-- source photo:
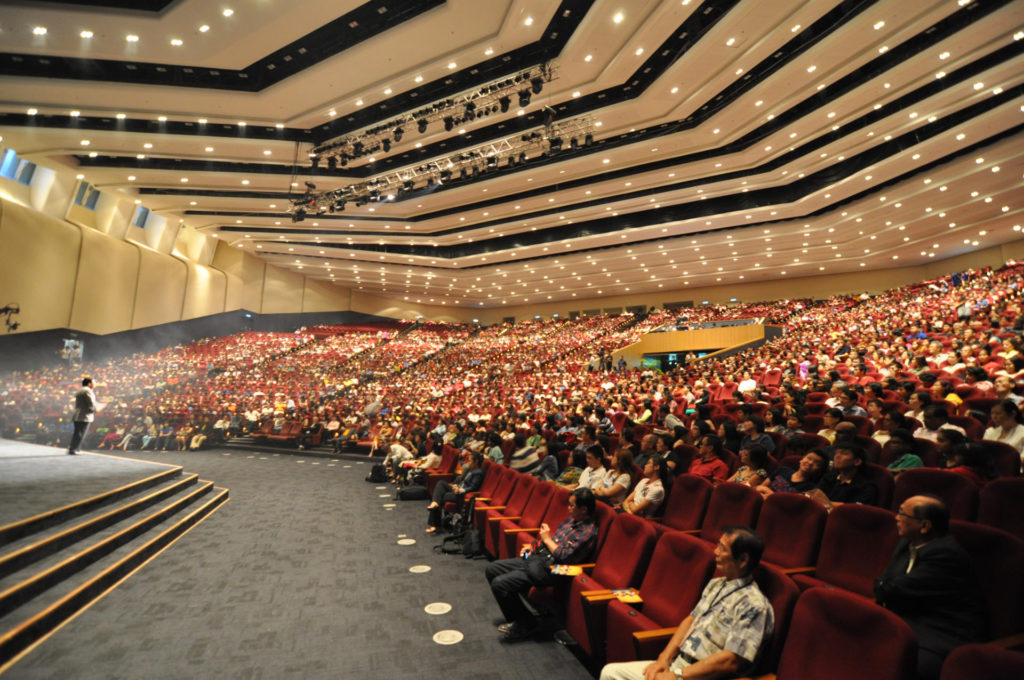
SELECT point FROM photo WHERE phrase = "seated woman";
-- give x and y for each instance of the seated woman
(753, 460)
(1006, 425)
(969, 460)
(710, 465)
(806, 477)
(112, 438)
(891, 421)
(832, 417)
(182, 436)
(616, 483)
(649, 493)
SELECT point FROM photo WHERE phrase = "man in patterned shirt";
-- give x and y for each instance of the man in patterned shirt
(725, 632)
(572, 543)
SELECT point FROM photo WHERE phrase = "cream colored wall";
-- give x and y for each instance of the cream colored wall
(38, 266)
(158, 289)
(104, 297)
(204, 291)
(401, 309)
(322, 296)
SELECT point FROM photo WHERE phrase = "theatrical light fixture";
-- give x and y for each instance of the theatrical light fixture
(484, 100)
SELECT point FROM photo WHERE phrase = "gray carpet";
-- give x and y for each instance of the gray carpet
(298, 576)
(34, 479)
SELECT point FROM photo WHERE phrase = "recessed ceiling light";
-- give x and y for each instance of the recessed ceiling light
(451, 65)
(93, 154)
(878, 25)
(184, 179)
(79, 176)
(209, 148)
(528, 21)
(120, 116)
(86, 34)
(359, 102)
(387, 91)
(84, 142)
(204, 28)
(228, 11)
(588, 57)
(639, 51)
(266, 152)
(39, 30)
(489, 51)
(177, 42)
(75, 114)
(730, 42)
(131, 37)
(162, 119)
(418, 79)
(202, 121)
(131, 178)
(812, 69)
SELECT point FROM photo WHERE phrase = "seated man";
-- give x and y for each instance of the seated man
(931, 584)
(573, 542)
(448, 492)
(727, 630)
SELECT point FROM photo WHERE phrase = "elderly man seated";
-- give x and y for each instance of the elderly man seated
(727, 630)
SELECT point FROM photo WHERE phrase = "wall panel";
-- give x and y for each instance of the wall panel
(108, 271)
(322, 296)
(204, 291)
(159, 291)
(282, 292)
(38, 266)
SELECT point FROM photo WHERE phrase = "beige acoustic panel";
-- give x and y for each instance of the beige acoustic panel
(108, 272)
(204, 292)
(282, 292)
(321, 296)
(684, 341)
(160, 289)
(38, 266)
(244, 277)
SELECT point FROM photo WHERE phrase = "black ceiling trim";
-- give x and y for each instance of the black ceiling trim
(567, 17)
(141, 6)
(171, 127)
(963, 74)
(713, 206)
(363, 23)
(959, 20)
(699, 22)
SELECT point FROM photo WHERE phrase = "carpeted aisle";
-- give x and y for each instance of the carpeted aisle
(298, 576)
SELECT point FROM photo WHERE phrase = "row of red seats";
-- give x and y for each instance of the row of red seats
(670, 566)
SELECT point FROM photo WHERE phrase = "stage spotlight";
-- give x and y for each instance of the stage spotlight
(522, 158)
(537, 84)
(357, 149)
(449, 123)
(332, 163)
(408, 185)
(344, 161)
(574, 143)
(588, 140)
(298, 215)
(446, 175)
(310, 186)
(387, 144)
(556, 144)
(398, 134)
(421, 125)
(315, 162)
(524, 98)
(492, 162)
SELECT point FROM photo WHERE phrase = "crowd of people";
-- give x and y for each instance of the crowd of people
(924, 375)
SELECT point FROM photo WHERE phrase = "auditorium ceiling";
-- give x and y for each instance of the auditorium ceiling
(481, 153)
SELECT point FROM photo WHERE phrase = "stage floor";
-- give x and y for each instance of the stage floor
(35, 479)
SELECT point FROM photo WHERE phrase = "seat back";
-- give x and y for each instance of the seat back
(520, 495)
(504, 487)
(538, 505)
(998, 559)
(680, 567)
(857, 544)
(974, 661)
(883, 481)
(1006, 459)
(782, 593)
(791, 525)
(730, 504)
(830, 633)
(958, 492)
(1002, 505)
(625, 552)
(493, 474)
(687, 502)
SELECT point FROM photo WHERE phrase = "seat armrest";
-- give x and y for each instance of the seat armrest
(598, 597)
(501, 517)
(799, 570)
(529, 530)
(654, 634)
(1010, 641)
(600, 591)
(692, 532)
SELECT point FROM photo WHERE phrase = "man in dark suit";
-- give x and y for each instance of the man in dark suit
(930, 583)
(85, 409)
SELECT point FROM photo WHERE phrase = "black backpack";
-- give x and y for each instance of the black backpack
(378, 475)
